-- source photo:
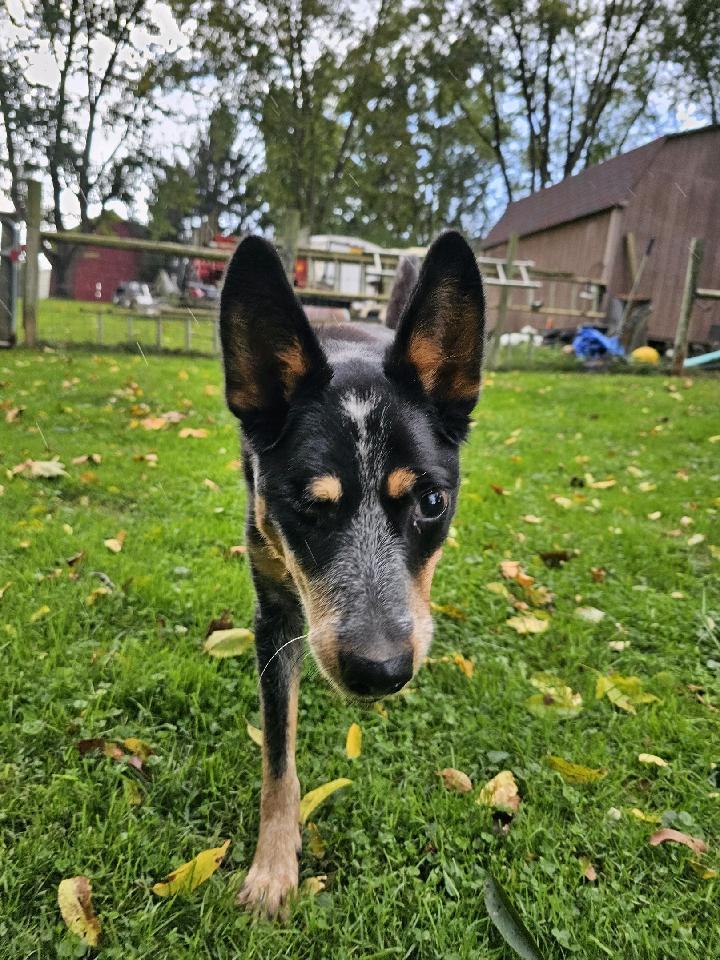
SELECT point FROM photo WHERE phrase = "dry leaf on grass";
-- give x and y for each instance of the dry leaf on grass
(455, 780)
(353, 742)
(675, 836)
(115, 544)
(316, 844)
(190, 875)
(5, 588)
(575, 773)
(312, 800)
(313, 885)
(588, 870)
(623, 692)
(554, 699)
(76, 909)
(464, 665)
(705, 873)
(590, 614)
(651, 758)
(254, 733)
(448, 610)
(500, 793)
(192, 433)
(528, 623)
(229, 643)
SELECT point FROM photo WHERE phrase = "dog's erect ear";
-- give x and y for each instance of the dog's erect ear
(438, 346)
(270, 353)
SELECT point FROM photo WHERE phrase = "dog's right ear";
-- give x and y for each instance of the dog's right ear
(270, 353)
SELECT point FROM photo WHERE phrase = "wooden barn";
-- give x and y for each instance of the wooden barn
(598, 224)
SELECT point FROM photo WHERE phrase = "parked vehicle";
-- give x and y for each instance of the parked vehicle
(134, 295)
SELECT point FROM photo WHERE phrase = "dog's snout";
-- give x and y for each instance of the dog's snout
(374, 678)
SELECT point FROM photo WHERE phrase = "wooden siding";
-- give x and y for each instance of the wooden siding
(677, 198)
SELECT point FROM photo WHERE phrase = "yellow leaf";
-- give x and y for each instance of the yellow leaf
(192, 433)
(501, 793)
(575, 773)
(531, 518)
(499, 588)
(623, 692)
(138, 748)
(353, 743)
(313, 885)
(645, 817)
(651, 758)
(449, 610)
(601, 484)
(312, 800)
(75, 902)
(465, 665)
(4, 588)
(39, 613)
(229, 643)
(254, 734)
(191, 874)
(554, 699)
(528, 623)
(97, 592)
(183, 375)
(115, 544)
(316, 843)
(455, 780)
(695, 539)
(705, 873)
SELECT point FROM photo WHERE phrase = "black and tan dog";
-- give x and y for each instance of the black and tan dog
(350, 438)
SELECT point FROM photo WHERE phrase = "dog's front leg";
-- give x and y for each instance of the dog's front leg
(273, 875)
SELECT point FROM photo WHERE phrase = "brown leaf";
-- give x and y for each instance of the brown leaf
(75, 558)
(192, 433)
(501, 793)
(465, 665)
(153, 423)
(115, 544)
(675, 836)
(588, 870)
(598, 574)
(12, 414)
(223, 622)
(237, 549)
(455, 780)
(75, 902)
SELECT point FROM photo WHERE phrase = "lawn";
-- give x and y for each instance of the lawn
(110, 646)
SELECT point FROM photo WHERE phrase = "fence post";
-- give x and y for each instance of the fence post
(688, 298)
(32, 264)
(188, 333)
(502, 303)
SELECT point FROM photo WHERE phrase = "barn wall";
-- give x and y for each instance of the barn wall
(677, 198)
(577, 247)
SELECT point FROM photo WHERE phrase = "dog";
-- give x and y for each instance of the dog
(350, 437)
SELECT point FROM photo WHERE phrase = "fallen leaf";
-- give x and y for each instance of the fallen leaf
(223, 622)
(75, 558)
(46, 468)
(138, 748)
(173, 416)
(554, 699)
(195, 434)
(556, 558)
(507, 920)
(97, 592)
(41, 612)
(313, 885)
(623, 692)
(254, 733)
(651, 758)
(590, 614)
(229, 643)
(455, 780)
(4, 588)
(115, 544)
(575, 773)
(655, 515)
(500, 491)
(498, 588)
(211, 485)
(500, 793)
(237, 549)
(12, 414)
(563, 502)
(527, 623)
(95, 458)
(705, 873)
(316, 844)
(531, 518)
(465, 665)
(598, 574)
(695, 539)
(353, 742)
(675, 836)
(75, 902)
(210, 390)
(600, 484)
(449, 610)
(588, 870)
(644, 816)
(619, 645)
(312, 800)
(153, 423)
(191, 874)
(647, 487)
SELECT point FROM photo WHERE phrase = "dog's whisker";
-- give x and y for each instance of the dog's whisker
(279, 650)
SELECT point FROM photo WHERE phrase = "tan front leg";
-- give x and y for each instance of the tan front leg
(273, 876)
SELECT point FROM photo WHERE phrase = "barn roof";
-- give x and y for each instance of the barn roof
(598, 188)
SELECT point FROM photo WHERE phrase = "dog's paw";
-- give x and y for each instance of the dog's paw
(269, 888)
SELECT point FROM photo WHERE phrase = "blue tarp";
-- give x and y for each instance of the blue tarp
(590, 343)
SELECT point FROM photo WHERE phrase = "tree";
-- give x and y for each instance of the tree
(553, 85)
(693, 40)
(103, 67)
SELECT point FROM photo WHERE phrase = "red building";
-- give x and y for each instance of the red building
(101, 265)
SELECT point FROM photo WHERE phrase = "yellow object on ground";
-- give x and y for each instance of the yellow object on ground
(645, 355)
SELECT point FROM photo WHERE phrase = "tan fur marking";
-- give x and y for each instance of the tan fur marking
(426, 356)
(325, 488)
(293, 366)
(420, 610)
(400, 482)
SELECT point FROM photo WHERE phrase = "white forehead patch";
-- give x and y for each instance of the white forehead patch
(358, 407)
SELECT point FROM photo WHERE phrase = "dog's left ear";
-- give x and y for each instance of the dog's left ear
(270, 353)
(438, 347)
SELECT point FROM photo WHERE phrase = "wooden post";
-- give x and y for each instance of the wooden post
(188, 333)
(158, 332)
(501, 314)
(288, 240)
(32, 262)
(695, 259)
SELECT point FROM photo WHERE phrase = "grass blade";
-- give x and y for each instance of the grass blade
(508, 921)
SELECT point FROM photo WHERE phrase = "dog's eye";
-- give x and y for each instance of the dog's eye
(431, 505)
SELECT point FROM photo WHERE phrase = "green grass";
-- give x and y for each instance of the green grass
(405, 859)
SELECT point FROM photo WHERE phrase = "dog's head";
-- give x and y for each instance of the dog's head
(353, 459)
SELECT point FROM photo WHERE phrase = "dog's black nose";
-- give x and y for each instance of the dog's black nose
(375, 678)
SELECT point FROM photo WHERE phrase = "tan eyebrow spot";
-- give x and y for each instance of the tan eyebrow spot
(325, 488)
(400, 482)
